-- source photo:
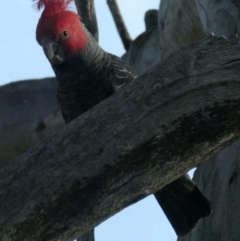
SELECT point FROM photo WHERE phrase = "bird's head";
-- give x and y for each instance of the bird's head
(60, 31)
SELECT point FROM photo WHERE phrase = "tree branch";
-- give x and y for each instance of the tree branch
(120, 25)
(128, 146)
(29, 114)
(86, 10)
(89, 236)
(151, 19)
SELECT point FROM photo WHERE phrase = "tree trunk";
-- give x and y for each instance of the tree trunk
(183, 21)
(219, 179)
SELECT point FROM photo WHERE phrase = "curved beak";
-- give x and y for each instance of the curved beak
(53, 51)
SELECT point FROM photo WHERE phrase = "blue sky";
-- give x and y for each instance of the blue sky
(22, 58)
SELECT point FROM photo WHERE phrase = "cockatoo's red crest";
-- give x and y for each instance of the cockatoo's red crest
(61, 27)
(52, 7)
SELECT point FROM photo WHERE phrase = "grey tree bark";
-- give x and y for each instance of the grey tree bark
(89, 236)
(144, 52)
(217, 178)
(181, 22)
(29, 114)
(83, 174)
(179, 25)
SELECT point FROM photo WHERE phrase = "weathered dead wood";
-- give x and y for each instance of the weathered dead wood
(181, 22)
(29, 113)
(130, 145)
(219, 179)
(144, 51)
(86, 10)
(89, 236)
(179, 25)
(151, 18)
(120, 25)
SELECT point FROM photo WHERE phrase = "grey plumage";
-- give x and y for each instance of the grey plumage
(89, 77)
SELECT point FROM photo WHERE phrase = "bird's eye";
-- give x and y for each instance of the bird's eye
(65, 33)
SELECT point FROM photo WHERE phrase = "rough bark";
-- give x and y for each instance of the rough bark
(179, 25)
(120, 25)
(220, 17)
(86, 10)
(89, 236)
(181, 22)
(29, 114)
(220, 182)
(84, 174)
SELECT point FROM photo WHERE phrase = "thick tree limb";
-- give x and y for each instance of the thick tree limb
(86, 10)
(28, 114)
(130, 145)
(120, 25)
